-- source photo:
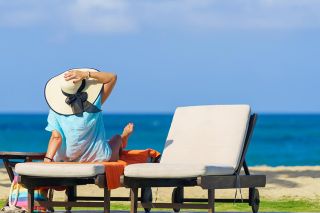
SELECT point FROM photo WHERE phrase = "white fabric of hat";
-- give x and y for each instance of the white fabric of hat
(57, 100)
(69, 86)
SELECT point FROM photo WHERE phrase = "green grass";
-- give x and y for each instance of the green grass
(284, 205)
(1, 203)
(274, 206)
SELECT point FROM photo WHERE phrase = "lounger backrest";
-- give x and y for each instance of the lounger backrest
(210, 135)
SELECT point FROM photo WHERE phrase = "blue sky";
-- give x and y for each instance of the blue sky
(166, 53)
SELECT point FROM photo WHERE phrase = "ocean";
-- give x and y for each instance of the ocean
(279, 139)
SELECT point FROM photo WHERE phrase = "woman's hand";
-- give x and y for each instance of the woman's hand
(75, 75)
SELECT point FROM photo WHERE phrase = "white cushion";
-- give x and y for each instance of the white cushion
(202, 140)
(208, 135)
(59, 170)
(162, 170)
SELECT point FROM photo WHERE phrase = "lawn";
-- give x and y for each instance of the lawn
(265, 206)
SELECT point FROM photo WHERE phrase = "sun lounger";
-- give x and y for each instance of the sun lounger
(206, 146)
(105, 175)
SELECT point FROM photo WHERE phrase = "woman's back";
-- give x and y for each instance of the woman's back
(83, 137)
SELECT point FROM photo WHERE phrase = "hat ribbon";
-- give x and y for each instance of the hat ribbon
(78, 101)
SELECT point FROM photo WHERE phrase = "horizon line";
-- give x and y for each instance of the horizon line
(161, 113)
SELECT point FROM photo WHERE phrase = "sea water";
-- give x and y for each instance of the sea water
(278, 139)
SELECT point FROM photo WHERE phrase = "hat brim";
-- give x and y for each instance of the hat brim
(56, 99)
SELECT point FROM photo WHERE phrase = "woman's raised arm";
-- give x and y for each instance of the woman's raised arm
(107, 78)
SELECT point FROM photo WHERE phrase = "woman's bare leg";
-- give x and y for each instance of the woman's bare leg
(126, 134)
(118, 142)
(115, 145)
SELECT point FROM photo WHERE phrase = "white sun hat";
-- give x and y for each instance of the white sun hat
(59, 93)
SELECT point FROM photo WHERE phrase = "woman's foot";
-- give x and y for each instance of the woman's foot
(127, 131)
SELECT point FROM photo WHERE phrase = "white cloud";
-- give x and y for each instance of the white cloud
(20, 13)
(238, 14)
(101, 16)
(121, 16)
(96, 16)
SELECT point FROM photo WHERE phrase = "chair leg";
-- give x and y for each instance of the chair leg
(30, 200)
(71, 193)
(50, 199)
(210, 200)
(134, 200)
(106, 200)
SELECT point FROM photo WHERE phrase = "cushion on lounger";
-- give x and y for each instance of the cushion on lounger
(114, 170)
(59, 170)
(212, 135)
(209, 135)
(162, 170)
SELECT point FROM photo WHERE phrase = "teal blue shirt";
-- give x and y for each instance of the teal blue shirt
(83, 138)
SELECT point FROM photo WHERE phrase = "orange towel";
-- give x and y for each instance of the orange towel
(115, 169)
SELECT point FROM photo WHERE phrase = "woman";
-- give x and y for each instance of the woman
(75, 119)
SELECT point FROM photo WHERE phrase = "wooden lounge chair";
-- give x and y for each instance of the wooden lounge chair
(70, 175)
(206, 146)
